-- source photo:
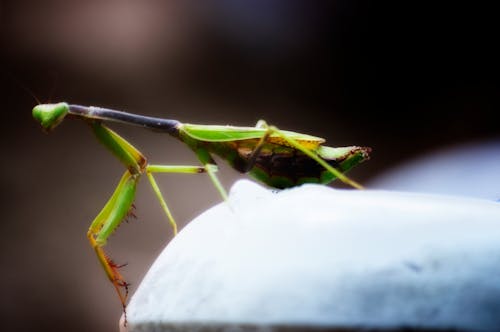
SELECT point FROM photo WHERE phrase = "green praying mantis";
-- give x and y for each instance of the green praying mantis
(280, 159)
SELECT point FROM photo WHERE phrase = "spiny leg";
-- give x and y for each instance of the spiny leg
(110, 217)
(150, 169)
(274, 130)
(118, 206)
(120, 202)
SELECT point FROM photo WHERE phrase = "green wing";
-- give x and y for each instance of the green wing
(213, 133)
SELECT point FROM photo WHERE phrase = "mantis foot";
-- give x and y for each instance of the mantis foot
(121, 286)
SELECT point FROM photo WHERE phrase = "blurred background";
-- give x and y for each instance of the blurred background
(403, 78)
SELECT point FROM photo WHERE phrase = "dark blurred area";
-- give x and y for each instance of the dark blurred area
(401, 77)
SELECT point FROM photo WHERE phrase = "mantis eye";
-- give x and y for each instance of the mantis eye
(50, 115)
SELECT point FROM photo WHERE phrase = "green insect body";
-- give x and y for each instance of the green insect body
(280, 159)
(279, 165)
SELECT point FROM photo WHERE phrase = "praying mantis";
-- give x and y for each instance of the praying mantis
(278, 158)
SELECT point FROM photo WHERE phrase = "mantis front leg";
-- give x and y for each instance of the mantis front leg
(118, 206)
(106, 222)
(121, 201)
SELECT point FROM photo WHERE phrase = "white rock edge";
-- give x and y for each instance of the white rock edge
(313, 255)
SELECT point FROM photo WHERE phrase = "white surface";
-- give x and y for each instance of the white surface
(317, 256)
(468, 170)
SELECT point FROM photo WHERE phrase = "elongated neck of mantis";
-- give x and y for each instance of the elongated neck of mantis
(104, 114)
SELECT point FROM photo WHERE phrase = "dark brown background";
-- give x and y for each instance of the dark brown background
(403, 79)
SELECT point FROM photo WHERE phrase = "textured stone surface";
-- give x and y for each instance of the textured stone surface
(319, 257)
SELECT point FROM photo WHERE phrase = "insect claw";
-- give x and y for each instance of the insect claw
(125, 285)
(114, 265)
(121, 265)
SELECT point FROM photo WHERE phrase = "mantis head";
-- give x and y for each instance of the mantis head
(50, 115)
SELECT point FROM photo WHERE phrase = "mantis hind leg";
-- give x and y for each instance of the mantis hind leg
(292, 142)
